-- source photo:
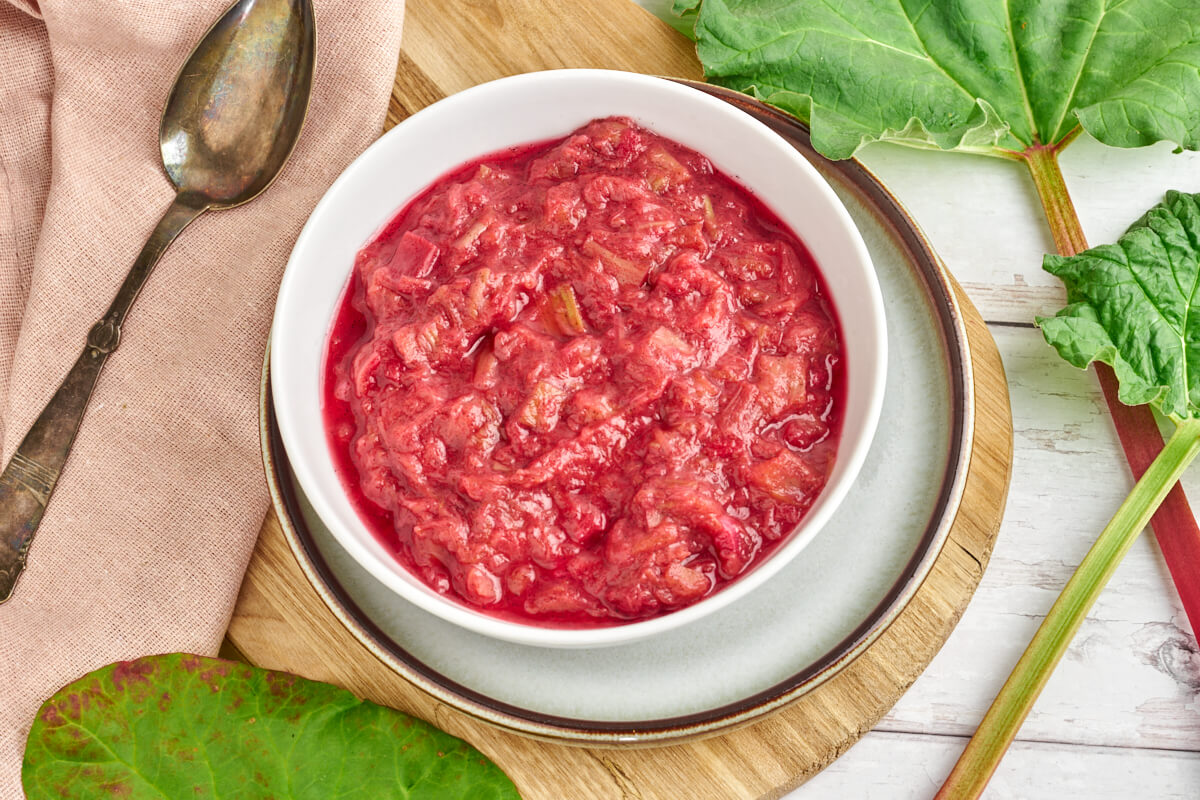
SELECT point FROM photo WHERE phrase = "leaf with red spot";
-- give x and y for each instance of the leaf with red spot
(182, 726)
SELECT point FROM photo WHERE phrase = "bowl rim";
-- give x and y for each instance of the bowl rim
(852, 450)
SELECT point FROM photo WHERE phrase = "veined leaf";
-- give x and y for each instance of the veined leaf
(977, 75)
(683, 17)
(1136, 306)
(181, 726)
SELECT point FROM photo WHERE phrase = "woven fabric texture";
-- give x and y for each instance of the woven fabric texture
(147, 536)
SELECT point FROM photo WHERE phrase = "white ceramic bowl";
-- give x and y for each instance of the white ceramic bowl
(536, 107)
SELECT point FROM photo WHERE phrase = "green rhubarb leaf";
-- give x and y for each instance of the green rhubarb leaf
(683, 17)
(974, 75)
(1135, 305)
(181, 726)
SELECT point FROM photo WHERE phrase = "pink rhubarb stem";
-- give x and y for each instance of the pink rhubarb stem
(1174, 524)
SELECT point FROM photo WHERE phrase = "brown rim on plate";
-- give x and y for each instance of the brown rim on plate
(849, 174)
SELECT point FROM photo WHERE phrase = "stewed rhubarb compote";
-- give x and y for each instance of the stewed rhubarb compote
(584, 382)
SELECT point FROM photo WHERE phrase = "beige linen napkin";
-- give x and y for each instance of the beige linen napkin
(146, 539)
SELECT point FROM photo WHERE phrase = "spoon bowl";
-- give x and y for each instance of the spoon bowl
(239, 101)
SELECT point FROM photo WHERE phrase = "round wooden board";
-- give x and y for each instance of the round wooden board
(281, 623)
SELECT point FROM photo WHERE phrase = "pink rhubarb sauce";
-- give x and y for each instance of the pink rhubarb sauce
(583, 382)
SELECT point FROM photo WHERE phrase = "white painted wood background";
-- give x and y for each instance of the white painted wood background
(1120, 718)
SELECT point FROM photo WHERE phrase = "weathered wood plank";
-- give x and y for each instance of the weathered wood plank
(1132, 676)
(983, 218)
(889, 766)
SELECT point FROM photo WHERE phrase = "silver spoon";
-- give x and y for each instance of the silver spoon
(230, 123)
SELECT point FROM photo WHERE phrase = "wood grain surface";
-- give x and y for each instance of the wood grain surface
(281, 623)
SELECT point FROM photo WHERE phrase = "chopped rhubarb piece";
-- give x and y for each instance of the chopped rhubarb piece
(487, 368)
(710, 217)
(541, 409)
(478, 227)
(365, 364)
(564, 207)
(786, 477)
(628, 272)
(665, 171)
(782, 382)
(564, 313)
(414, 255)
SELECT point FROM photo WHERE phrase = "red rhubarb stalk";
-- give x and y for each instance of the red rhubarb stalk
(1156, 498)
(1174, 524)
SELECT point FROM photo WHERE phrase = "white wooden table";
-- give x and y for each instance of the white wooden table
(1121, 715)
(1120, 719)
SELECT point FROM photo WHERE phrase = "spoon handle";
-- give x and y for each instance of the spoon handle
(30, 477)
